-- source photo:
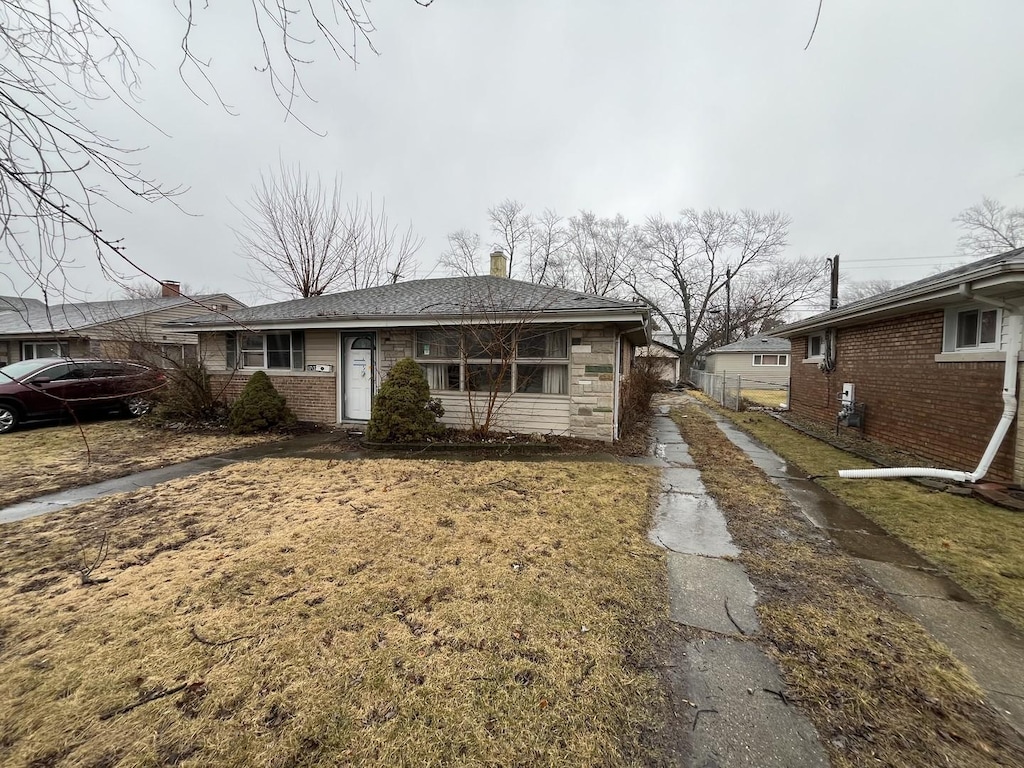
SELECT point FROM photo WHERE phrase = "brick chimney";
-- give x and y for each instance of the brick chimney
(169, 289)
(499, 264)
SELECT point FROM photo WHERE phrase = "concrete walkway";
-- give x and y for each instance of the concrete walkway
(734, 718)
(990, 648)
(304, 445)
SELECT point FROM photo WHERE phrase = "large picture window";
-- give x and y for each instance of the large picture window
(273, 350)
(495, 358)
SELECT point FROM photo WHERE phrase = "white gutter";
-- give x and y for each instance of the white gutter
(1016, 322)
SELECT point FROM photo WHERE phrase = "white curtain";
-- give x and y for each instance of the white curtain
(556, 379)
(436, 379)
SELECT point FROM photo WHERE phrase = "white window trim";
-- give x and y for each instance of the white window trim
(820, 356)
(777, 355)
(240, 353)
(63, 348)
(464, 363)
(973, 353)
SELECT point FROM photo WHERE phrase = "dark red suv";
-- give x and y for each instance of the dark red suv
(47, 388)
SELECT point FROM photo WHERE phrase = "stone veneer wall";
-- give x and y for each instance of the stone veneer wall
(592, 382)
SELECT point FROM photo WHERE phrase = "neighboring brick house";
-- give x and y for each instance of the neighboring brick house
(29, 328)
(927, 363)
(554, 358)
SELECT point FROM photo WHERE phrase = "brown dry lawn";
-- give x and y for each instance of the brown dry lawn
(766, 398)
(307, 612)
(49, 459)
(878, 689)
(981, 545)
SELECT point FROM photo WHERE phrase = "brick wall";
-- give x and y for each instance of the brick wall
(944, 412)
(311, 398)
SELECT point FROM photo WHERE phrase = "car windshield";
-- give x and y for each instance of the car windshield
(17, 371)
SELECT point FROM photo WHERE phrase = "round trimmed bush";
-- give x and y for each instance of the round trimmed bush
(403, 411)
(260, 407)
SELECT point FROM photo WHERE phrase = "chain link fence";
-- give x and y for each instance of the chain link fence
(735, 391)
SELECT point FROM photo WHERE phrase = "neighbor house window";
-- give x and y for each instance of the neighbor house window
(816, 345)
(495, 358)
(771, 359)
(273, 350)
(30, 350)
(968, 329)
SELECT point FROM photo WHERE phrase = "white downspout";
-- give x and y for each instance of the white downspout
(615, 386)
(1016, 321)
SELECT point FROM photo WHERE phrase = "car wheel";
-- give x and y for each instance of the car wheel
(137, 406)
(8, 418)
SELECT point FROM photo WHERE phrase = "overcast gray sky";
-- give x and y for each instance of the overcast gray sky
(897, 117)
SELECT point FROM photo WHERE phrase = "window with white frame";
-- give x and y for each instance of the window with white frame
(816, 345)
(495, 358)
(31, 350)
(272, 350)
(968, 329)
(771, 359)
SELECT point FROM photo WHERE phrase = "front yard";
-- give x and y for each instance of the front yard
(49, 459)
(303, 612)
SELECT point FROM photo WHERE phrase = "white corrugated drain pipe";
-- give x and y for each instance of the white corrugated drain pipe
(1009, 411)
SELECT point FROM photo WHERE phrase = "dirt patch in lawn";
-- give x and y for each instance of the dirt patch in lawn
(49, 459)
(879, 690)
(300, 612)
(981, 545)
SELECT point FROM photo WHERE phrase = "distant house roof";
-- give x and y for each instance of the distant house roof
(28, 316)
(664, 346)
(431, 300)
(998, 276)
(762, 343)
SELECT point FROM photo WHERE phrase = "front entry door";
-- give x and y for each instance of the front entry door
(358, 362)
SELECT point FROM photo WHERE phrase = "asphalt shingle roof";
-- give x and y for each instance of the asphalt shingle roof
(19, 315)
(445, 296)
(755, 344)
(1010, 261)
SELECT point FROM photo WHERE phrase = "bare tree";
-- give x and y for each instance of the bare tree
(462, 256)
(687, 266)
(375, 252)
(863, 289)
(597, 251)
(510, 227)
(304, 242)
(989, 227)
(545, 250)
(57, 172)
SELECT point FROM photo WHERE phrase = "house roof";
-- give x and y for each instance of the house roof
(434, 299)
(20, 316)
(997, 277)
(666, 347)
(762, 343)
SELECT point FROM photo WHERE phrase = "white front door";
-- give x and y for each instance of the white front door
(358, 378)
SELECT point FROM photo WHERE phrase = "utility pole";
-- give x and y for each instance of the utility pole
(833, 297)
(728, 303)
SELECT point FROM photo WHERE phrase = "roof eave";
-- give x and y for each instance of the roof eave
(997, 276)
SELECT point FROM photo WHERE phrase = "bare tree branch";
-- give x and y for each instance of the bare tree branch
(989, 227)
(304, 242)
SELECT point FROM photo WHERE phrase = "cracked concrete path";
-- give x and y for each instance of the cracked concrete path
(738, 716)
(990, 647)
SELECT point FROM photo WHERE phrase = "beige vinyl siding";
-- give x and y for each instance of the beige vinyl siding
(516, 413)
(742, 364)
(322, 347)
(150, 326)
(213, 351)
